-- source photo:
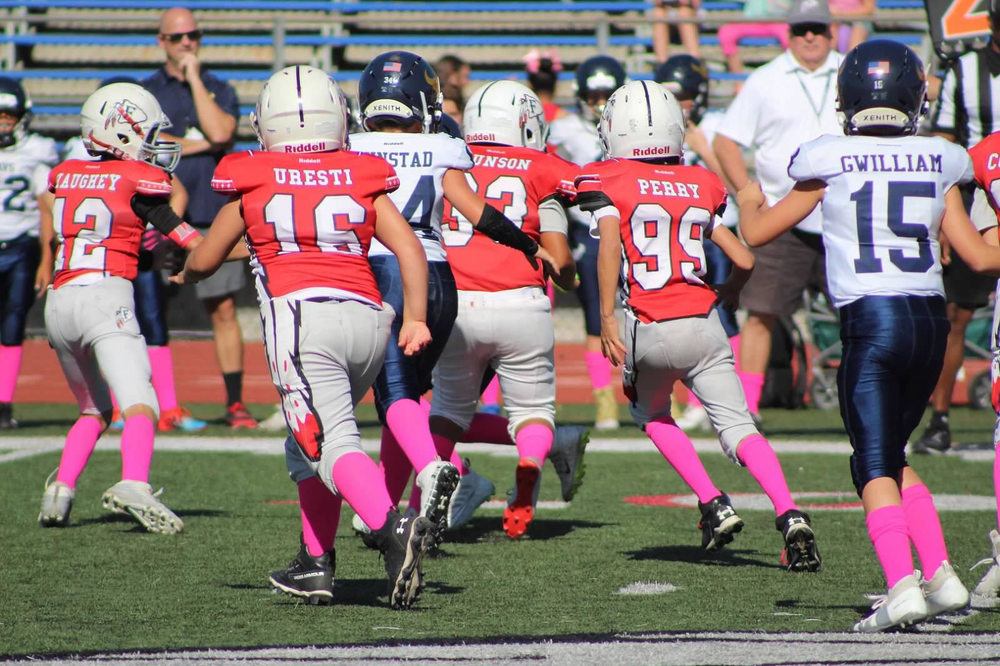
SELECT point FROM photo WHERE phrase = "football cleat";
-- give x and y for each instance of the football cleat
(718, 523)
(936, 439)
(57, 500)
(520, 509)
(437, 483)
(403, 541)
(944, 592)
(363, 531)
(7, 420)
(903, 606)
(568, 446)
(179, 418)
(138, 500)
(307, 577)
(800, 552)
(237, 416)
(988, 587)
(606, 417)
(275, 421)
(694, 418)
(472, 491)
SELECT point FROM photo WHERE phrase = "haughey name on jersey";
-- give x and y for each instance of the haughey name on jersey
(88, 181)
(404, 158)
(895, 163)
(312, 177)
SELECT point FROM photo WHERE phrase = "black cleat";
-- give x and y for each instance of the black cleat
(7, 421)
(800, 552)
(307, 577)
(936, 439)
(403, 541)
(719, 522)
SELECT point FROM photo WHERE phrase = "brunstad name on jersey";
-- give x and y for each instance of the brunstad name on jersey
(892, 163)
(404, 158)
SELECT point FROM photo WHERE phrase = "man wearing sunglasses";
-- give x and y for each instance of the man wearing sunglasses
(203, 110)
(783, 104)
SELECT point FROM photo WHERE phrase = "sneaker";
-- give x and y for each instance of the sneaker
(945, 591)
(903, 606)
(117, 420)
(437, 483)
(936, 439)
(403, 540)
(520, 509)
(57, 500)
(138, 500)
(472, 491)
(7, 420)
(568, 446)
(179, 418)
(237, 416)
(275, 421)
(693, 418)
(606, 409)
(800, 552)
(307, 577)
(718, 523)
(989, 585)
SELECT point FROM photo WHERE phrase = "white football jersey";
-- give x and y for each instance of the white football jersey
(420, 161)
(882, 210)
(576, 140)
(709, 125)
(24, 175)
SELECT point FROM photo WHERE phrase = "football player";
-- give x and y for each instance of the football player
(885, 195)
(25, 255)
(100, 210)
(400, 103)
(653, 211)
(309, 210)
(575, 138)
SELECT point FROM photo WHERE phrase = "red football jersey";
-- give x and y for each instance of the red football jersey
(514, 180)
(310, 218)
(986, 167)
(664, 213)
(97, 230)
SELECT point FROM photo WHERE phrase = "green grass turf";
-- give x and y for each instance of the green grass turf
(105, 585)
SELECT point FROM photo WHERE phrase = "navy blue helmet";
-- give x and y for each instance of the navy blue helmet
(687, 78)
(881, 89)
(14, 101)
(400, 86)
(594, 81)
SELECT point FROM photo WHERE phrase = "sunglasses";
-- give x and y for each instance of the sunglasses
(802, 29)
(176, 37)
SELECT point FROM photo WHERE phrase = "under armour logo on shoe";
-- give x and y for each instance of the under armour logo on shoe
(401, 527)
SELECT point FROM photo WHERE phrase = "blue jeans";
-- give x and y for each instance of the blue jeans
(409, 377)
(893, 351)
(19, 259)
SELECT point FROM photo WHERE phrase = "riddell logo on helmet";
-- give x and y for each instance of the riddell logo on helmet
(480, 136)
(652, 150)
(306, 147)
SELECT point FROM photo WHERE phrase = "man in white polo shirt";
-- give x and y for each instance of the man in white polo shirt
(783, 104)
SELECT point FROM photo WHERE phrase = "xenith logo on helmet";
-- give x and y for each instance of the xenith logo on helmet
(388, 106)
(306, 147)
(480, 136)
(651, 150)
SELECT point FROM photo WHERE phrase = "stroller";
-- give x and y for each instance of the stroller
(972, 386)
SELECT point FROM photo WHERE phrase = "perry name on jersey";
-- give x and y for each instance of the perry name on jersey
(24, 172)
(882, 210)
(420, 160)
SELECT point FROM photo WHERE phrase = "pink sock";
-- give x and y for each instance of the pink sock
(320, 511)
(924, 527)
(162, 364)
(677, 448)
(534, 441)
(996, 483)
(491, 396)
(137, 447)
(734, 342)
(753, 384)
(887, 530)
(10, 366)
(759, 458)
(457, 461)
(599, 369)
(444, 447)
(488, 429)
(358, 481)
(396, 468)
(408, 423)
(80, 442)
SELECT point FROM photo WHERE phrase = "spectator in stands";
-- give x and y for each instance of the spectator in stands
(453, 101)
(730, 34)
(848, 34)
(542, 68)
(688, 31)
(965, 114)
(453, 71)
(786, 102)
(204, 111)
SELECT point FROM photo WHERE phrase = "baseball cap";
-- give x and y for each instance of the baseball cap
(809, 11)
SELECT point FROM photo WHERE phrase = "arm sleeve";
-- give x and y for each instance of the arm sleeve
(495, 226)
(157, 211)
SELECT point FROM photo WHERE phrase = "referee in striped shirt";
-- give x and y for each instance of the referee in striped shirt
(968, 110)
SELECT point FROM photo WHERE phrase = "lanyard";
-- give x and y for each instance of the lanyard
(826, 91)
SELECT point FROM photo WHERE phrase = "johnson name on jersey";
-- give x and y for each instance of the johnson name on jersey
(97, 230)
(24, 172)
(420, 161)
(310, 219)
(664, 212)
(882, 210)
(515, 181)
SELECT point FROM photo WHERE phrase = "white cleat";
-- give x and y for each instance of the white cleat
(693, 418)
(903, 606)
(568, 446)
(57, 500)
(987, 591)
(138, 500)
(471, 492)
(437, 483)
(945, 591)
(274, 422)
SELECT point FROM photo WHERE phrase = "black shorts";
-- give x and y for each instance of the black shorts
(964, 287)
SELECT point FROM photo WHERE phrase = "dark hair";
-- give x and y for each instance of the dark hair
(544, 80)
(447, 65)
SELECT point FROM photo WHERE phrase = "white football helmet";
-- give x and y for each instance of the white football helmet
(642, 120)
(124, 120)
(505, 112)
(300, 110)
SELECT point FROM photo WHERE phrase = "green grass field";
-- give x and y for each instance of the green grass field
(105, 585)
